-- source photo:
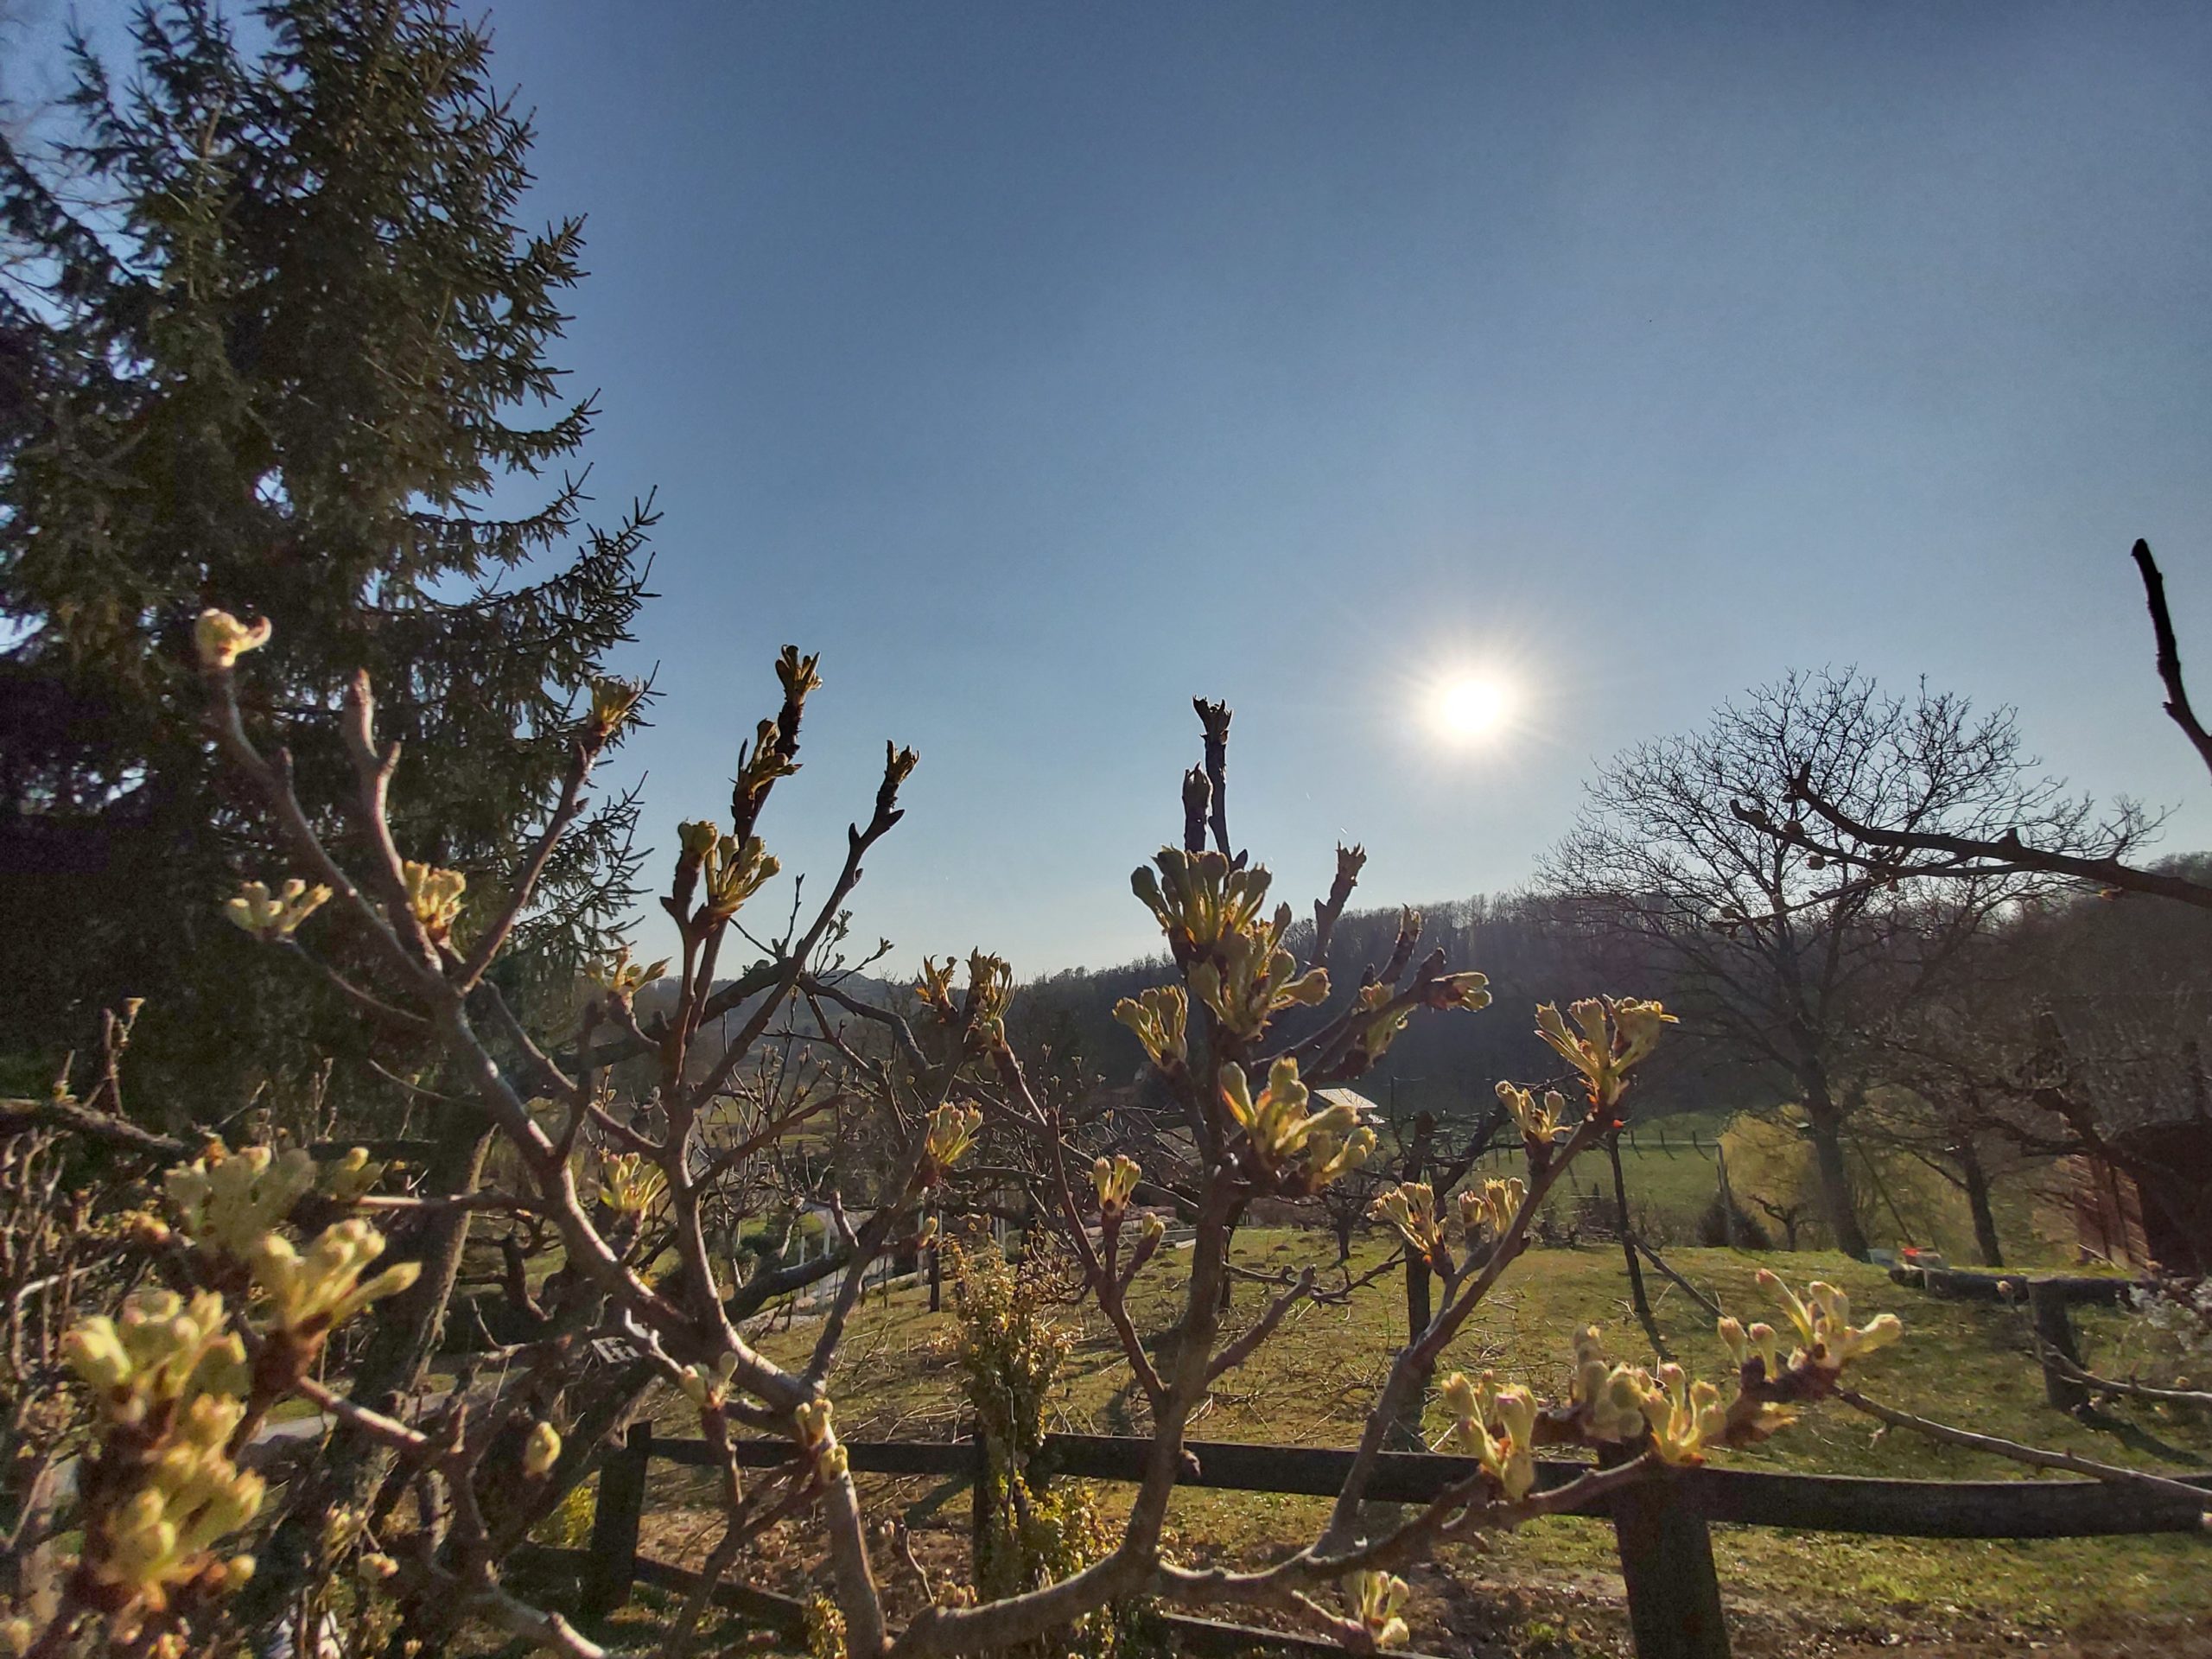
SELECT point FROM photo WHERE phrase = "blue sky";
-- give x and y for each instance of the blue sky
(1044, 365)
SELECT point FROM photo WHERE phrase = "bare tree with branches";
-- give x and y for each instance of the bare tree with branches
(1880, 844)
(1785, 966)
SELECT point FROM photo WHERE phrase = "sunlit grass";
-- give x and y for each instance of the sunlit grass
(1962, 1362)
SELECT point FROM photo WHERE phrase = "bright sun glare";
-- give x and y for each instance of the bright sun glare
(1471, 708)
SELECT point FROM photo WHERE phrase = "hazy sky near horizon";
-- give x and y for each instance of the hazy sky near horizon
(1042, 365)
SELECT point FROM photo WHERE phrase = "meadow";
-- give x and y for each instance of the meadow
(1554, 1588)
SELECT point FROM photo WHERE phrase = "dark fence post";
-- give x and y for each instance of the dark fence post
(1673, 1591)
(979, 1503)
(613, 1564)
(2054, 1337)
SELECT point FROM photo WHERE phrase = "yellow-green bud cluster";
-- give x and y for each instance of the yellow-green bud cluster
(1384, 1028)
(898, 763)
(1249, 977)
(220, 638)
(818, 1439)
(351, 1178)
(1611, 1397)
(629, 1184)
(434, 897)
(613, 700)
(1684, 1416)
(1497, 1428)
(162, 1351)
(308, 1294)
(170, 1372)
(1329, 1154)
(621, 978)
(934, 986)
(1283, 1132)
(1469, 991)
(228, 1201)
(192, 1496)
(1822, 1319)
(1539, 1121)
(1115, 1178)
(1607, 1040)
(270, 916)
(1761, 1342)
(1410, 1207)
(1490, 1211)
(733, 871)
(952, 1130)
(1376, 1600)
(801, 677)
(981, 1017)
(990, 994)
(763, 761)
(541, 1450)
(1198, 899)
(707, 1387)
(1160, 1018)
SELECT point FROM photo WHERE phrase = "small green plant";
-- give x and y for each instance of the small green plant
(1011, 1351)
(569, 1525)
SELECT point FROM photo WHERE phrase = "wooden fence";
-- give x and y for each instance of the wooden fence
(1661, 1525)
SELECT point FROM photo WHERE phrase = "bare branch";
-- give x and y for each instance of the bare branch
(2035, 1457)
(2169, 653)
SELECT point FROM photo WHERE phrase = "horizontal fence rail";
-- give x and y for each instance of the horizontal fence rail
(1896, 1508)
(1673, 1592)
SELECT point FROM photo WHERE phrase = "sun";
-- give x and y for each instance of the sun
(1470, 709)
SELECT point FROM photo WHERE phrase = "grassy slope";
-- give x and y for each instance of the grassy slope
(1668, 1164)
(1962, 1362)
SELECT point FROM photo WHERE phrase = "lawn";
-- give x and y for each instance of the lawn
(1554, 1587)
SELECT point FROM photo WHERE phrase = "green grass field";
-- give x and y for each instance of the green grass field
(1555, 1588)
(1669, 1168)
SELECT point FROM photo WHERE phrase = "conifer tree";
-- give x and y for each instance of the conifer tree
(273, 338)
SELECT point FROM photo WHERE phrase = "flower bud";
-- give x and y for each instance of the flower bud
(541, 1451)
(613, 702)
(221, 639)
(274, 916)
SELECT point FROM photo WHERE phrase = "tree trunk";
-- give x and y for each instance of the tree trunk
(1976, 1180)
(1637, 1299)
(397, 1355)
(395, 1358)
(1728, 1230)
(1825, 1123)
(1419, 1310)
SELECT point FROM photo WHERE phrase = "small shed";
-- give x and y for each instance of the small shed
(2147, 1198)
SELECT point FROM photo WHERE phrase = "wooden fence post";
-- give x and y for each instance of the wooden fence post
(2055, 1340)
(980, 1517)
(613, 1564)
(1673, 1590)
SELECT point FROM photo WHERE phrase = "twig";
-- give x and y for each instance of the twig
(2036, 1457)
(2131, 1390)
(1673, 1277)
(2169, 654)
